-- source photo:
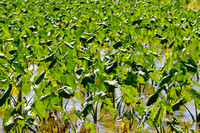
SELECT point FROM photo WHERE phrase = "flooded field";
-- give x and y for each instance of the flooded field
(99, 66)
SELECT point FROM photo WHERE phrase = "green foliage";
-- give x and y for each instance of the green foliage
(65, 92)
(128, 60)
(177, 105)
(4, 97)
(40, 78)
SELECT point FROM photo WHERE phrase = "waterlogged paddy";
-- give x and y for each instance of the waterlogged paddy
(106, 124)
(133, 63)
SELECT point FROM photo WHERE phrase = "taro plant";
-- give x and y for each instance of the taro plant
(65, 65)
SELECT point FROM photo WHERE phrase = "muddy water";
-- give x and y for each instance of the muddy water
(106, 124)
(1, 123)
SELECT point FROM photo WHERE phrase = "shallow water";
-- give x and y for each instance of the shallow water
(1, 127)
(106, 124)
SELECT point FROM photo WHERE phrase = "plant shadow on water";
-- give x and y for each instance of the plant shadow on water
(106, 124)
(99, 66)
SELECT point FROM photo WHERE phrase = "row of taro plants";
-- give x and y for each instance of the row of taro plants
(134, 60)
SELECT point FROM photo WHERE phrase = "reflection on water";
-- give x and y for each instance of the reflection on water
(106, 124)
(1, 127)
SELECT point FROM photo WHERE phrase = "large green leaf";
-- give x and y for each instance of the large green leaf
(6, 94)
(40, 78)
(110, 66)
(48, 58)
(52, 63)
(191, 68)
(131, 79)
(3, 58)
(117, 44)
(178, 104)
(88, 78)
(196, 96)
(8, 126)
(91, 39)
(70, 45)
(83, 39)
(165, 80)
(130, 91)
(43, 98)
(65, 92)
(111, 85)
(159, 115)
(154, 97)
(40, 107)
(19, 68)
(19, 84)
(87, 107)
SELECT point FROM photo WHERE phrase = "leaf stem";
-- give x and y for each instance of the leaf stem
(190, 113)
